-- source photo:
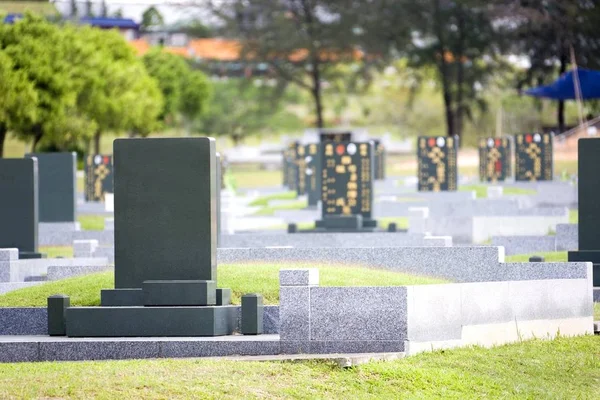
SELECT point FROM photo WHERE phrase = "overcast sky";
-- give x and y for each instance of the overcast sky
(172, 10)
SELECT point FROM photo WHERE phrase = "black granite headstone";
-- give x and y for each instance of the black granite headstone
(437, 163)
(19, 205)
(533, 157)
(495, 159)
(589, 205)
(98, 177)
(379, 160)
(312, 172)
(300, 169)
(165, 244)
(334, 135)
(57, 186)
(291, 170)
(347, 185)
(284, 167)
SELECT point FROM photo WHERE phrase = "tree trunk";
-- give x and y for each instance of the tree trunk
(443, 70)
(316, 93)
(97, 142)
(460, 76)
(3, 132)
(561, 104)
(36, 138)
(315, 63)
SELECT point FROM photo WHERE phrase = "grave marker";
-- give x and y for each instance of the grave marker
(589, 208)
(300, 168)
(291, 170)
(57, 186)
(533, 157)
(98, 177)
(19, 205)
(347, 186)
(495, 158)
(165, 244)
(312, 171)
(379, 160)
(337, 136)
(437, 163)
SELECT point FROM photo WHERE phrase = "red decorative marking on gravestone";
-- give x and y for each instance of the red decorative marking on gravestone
(431, 142)
(106, 160)
(340, 149)
(498, 166)
(528, 139)
(498, 142)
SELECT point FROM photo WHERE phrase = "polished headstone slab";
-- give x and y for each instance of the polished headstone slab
(589, 205)
(165, 210)
(347, 179)
(98, 177)
(312, 172)
(379, 160)
(19, 205)
(291, 168)
(437, 163)
(533, 157)
(335, 135)
(57, 186)
(495, 159)
(300, 168)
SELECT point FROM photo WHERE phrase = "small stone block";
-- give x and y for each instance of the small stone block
(292, 228)
(57, 307)
(180, 293)
(223, 297)
(536, 259)
(352, 222)
(392, 227)
(121, 297)
(299, 277)
(252, 314)
(9, 254)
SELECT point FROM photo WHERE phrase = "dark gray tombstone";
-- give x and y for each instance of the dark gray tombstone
(57, 186)
(347, 186)
(437, 163)
(219, 187)
(165, 244)
(589, 206)
(299, 169)
(19, 206)
(495, 159)
(534, 157)
(252, 314)
(98, 177)
(313, 173)
(379, 168)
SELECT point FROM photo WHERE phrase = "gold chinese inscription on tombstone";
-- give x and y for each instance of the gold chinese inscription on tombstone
(98, 177)
(533, 157)
(347, 179)
(300, 169)
(494, 159)
(437, 168)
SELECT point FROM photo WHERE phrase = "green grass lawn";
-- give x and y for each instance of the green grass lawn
(263, 279)
(91, 222)
(573, 216)
(292, 205)
(57, 251)
(481, 191)
(401, 222)
(556, 256)
(596, 311)
(563, 368)
(263, 201)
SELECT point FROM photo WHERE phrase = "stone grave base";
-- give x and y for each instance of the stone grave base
(46, 348)
(143, 321)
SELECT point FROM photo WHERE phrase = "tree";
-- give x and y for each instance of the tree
(152, 18)
(546, 31)
(195, 93)
(239, 108)
(196, 29)
(37, 50)
(18, 98)
(185, 92)
(301, 40)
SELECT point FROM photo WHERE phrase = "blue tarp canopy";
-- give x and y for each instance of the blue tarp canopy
(564, 87)
(106, 22)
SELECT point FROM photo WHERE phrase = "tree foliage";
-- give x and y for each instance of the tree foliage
(241, 108)
(66, 84)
